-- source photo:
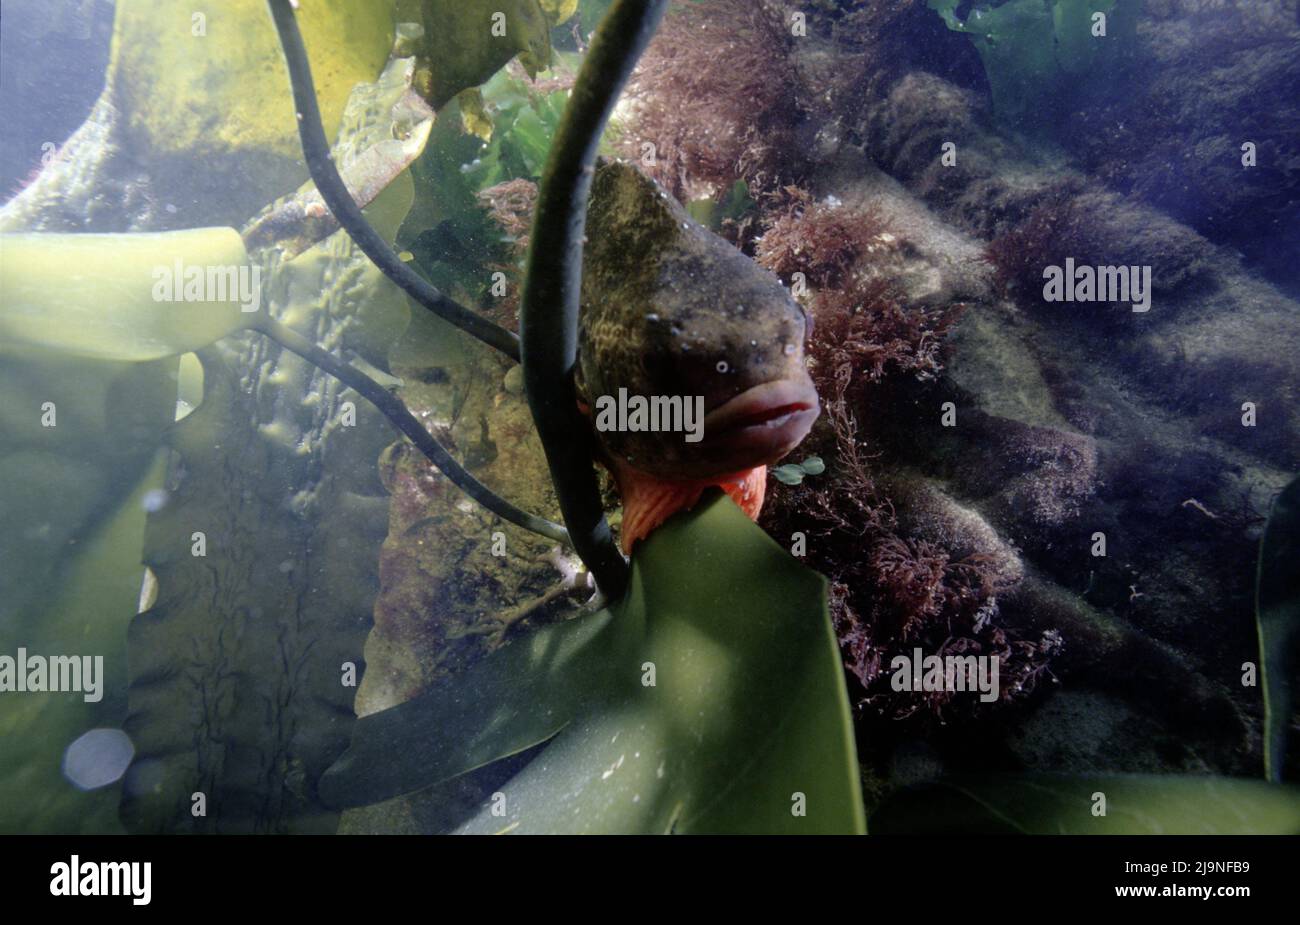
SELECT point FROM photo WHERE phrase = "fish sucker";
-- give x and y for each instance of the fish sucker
(677, 318)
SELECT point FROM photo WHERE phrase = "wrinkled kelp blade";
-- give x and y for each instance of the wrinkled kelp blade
(240, 685)
(1277, 609)
(1049, 804)
(236, 688)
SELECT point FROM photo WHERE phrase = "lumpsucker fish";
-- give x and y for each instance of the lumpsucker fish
(670, 310)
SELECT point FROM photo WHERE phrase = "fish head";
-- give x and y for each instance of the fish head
(670, 309)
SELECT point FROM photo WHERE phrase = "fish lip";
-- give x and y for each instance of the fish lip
(762, 424)
(759, 406)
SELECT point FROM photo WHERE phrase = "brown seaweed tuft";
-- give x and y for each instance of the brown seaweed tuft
(820, 240)
(510, 205)
(890, 590)
(1052, 230)
(714, 94)
(862, 325)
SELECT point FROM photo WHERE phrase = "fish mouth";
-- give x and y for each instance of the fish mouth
(762, 424)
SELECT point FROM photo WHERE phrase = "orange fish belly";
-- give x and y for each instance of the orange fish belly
(648, 501)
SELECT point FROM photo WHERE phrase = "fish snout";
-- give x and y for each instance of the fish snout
(761, 424)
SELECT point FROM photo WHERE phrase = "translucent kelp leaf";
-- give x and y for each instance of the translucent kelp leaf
(124, 296)
(1077, 48)
(296, 222)
(1038, 55)
(196, 125)
(76, 476)
(518, 697)
(207, 82)
(79, 492)
(559, 11)
(82, 610)
(710, 699)
(469, 42)
(474, 118)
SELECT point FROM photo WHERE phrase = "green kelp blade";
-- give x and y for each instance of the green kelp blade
(114, 296)
(515, 698)
(711, 699)
(1049, 804)
(1015, 42)
(1277, 613)
(173, 66)
(469, 42)
(724, 708)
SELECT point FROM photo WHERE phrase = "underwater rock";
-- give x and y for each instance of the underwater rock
(1107, 655)
(1071, 421)
(448, 568)
(1176, 138)
(927, 512)
(1211, 324)
(455, 583)
(1089, 731)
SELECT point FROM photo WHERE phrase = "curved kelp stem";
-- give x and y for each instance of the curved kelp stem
(392, 408)
(316, 150)
(548, 316)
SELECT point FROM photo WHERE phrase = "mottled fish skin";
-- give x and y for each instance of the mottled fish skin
(669, 308)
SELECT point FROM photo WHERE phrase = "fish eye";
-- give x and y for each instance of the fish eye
(722, 366)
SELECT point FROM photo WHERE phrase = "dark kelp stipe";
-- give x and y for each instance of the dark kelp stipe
(549, 313)
(334, 191)
(548, 317)
(709, 699)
